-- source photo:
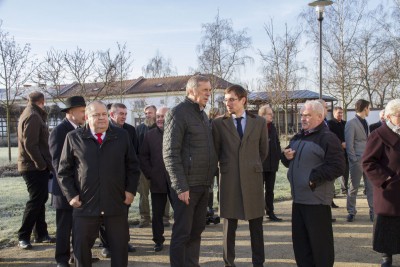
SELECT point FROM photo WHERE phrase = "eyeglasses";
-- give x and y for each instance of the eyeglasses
(98, 115)
(230, 100)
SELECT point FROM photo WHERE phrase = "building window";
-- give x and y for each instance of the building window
(139, 104)
(162, 102)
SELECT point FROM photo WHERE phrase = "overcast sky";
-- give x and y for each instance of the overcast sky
(173, 27)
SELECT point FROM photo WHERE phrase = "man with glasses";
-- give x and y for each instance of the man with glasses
(98, 174)
(241, 143)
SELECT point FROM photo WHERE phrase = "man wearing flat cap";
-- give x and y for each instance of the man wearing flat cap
(74, 118)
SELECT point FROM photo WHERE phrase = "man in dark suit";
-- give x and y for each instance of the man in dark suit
(118, 112)
(98, 173)
(271, 163)
(379, 123)
(152, 166)
(337, 125)
(241, 144)
(74, 118)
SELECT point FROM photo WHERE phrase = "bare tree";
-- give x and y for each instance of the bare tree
(374, 55)
(51, 74)
(15, 70)
(158, 67)
(281, 68)
(222, 50)
(80, 68)
(342, 22)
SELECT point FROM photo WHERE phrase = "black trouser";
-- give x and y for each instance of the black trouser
(312, 235)
(158, 202)
(189, 223)
(63, 235)
(86, 230)
(103, 234)
(269, 185)
(256, 237)
(34, 218)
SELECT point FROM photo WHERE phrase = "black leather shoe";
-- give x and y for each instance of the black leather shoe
(386, 262)
(45, 239)
(272, 217)
(106, 253)
(333, 205)
(350, 218)
(158, 247)
(24, 244)
(131, 248)
(62, 264)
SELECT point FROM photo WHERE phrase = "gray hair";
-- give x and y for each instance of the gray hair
(150, 106)
(89, 107)
(160, 109)
(315, 106)
(194, 81)
(263, 110)
(392, 107)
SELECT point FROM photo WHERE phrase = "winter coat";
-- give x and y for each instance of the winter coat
(381, 164)
(152, 163)
(241, 188)
(33, 137)
(188, 147)
(99, 174)
(319, 158)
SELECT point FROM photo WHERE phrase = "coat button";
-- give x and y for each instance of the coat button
(102, 213)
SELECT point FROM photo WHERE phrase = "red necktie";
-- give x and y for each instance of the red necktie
(99, 138)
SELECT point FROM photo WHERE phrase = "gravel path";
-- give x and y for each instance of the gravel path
(352, 244)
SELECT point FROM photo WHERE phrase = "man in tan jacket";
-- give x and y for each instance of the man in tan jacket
(241, 143)
(34, 164)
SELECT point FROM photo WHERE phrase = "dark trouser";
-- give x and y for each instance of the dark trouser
(86, 230)
(158, 202)
(63, 235)
(34, 214)
(312, 235)
(103, 234)
(269, 184)
(256, 236)
(190, 222)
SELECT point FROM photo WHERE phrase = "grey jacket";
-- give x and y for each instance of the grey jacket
(319, 158)
(356, 140)
(188, 147)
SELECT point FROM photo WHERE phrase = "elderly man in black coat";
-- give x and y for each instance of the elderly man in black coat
(74, 118)
(152, 166)
(98, 174)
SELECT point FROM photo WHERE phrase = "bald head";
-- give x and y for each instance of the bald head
(160, 115)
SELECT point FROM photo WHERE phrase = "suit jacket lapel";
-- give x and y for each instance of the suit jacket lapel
(360, 126)
(250, 123)
(228, 123)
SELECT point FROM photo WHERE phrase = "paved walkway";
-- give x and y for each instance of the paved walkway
(352, 244)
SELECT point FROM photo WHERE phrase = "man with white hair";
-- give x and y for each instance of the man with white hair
(315, 159)
(191, 162)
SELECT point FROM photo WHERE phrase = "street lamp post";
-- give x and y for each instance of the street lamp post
(319, 8)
